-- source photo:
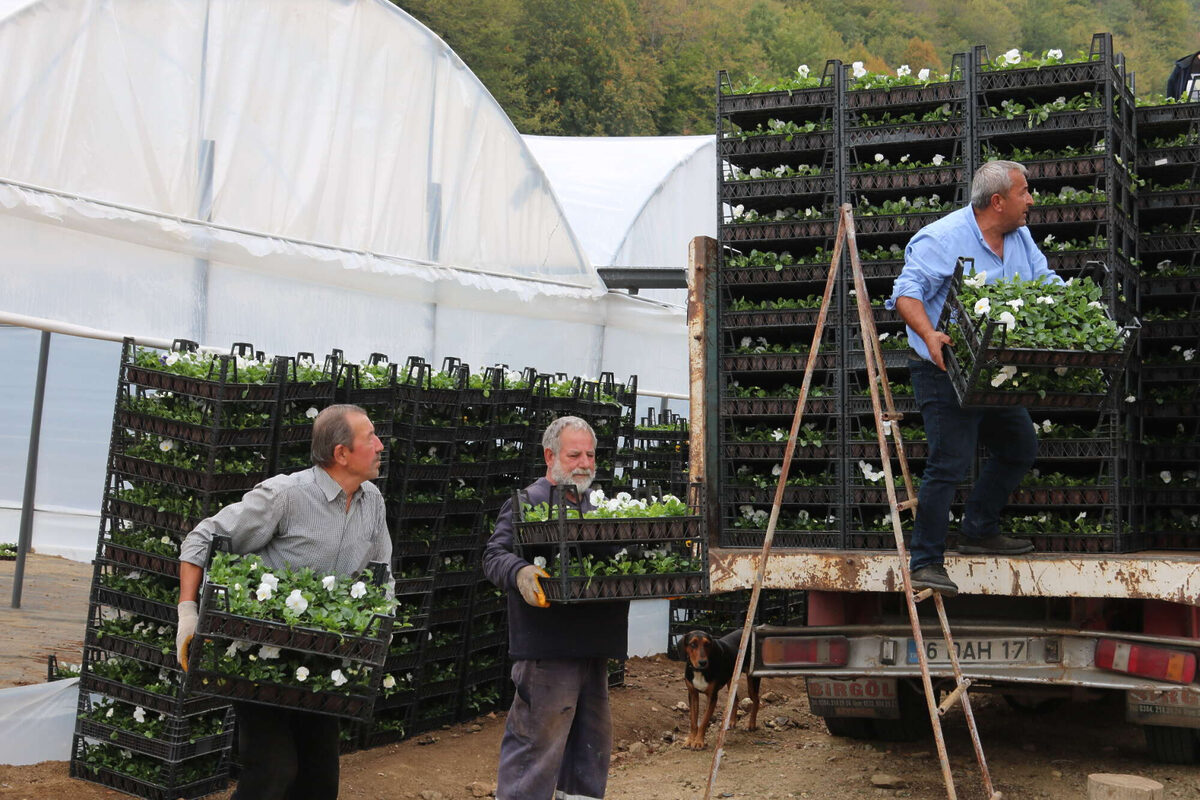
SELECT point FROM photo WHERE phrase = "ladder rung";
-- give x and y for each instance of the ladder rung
(891, 416)
(924, 594)
(954, 696)
(905, 505)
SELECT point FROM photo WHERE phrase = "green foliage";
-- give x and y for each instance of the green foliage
(645, 67)
(299, 597)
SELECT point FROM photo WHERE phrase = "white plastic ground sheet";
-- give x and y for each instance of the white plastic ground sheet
(37, 721)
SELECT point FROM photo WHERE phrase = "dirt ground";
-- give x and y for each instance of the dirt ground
(790, 756)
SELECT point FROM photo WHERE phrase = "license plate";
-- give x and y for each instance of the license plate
(976, 651)
(1175, 707)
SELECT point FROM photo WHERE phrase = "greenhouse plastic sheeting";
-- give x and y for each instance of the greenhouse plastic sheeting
(284, 123)
(633, 200)
(37, 721)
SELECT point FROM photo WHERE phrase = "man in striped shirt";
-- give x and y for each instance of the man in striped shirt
(329, 518)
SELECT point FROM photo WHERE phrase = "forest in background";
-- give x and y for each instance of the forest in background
(648, 67)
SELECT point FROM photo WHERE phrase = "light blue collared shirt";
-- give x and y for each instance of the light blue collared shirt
(931, 254)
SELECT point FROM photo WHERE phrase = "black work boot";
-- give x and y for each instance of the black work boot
(933, 576)
(997, 545)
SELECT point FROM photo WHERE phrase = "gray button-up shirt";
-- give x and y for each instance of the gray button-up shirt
(300, 520)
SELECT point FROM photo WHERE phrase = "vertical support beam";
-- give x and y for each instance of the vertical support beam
(31, 461)
(702, 409)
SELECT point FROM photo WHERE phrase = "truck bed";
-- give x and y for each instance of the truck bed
(1152, 575)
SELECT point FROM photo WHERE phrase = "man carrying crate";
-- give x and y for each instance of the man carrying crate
(992, 231)
(558, 736)
(329, 518)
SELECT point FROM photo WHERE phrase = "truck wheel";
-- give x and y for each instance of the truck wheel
(850, 727)
(1172, 745)
(913, 723)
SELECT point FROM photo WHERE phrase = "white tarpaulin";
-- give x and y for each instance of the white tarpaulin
(36, 721)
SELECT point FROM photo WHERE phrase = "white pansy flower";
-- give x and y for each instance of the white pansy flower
(903, 70)
(270, 580)
(938, 159)
(1015, 303)
(337, 677)
(1095, 304)
(1003, 375)
(883, 337)
(166, 445)
(268, 652)
(778, 434)
(264, 592)
(976, 280)
(1082, 516)
(738, 210)
(110, 713)
(1130, 399)
(1007, 320)
(1046, 425)
(358, 589)
(389, 682)
(539, 561)
(1054, 53)
(171, 358)
(923, 75)
(1060, 371)
(777, 470)
(312, 412)
(302, 674)
(857, 69)
(983, 306)
(745, 342)
(756, 172)
(296, 602)
(1165, 476)
(1189, 354)
(746, 511)
(596, 497)
(621, 555)
(1012, 56)
(802, 70)
(1045, 300)
(139, 714)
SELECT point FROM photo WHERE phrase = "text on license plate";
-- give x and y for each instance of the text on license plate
(974, 650)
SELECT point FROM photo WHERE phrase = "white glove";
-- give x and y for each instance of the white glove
(531, 587)
(189, 614)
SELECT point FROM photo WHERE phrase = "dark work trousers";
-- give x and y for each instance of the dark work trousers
(286, 755)
(559, 731)
(953, 433)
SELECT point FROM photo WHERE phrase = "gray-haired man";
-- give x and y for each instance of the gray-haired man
(558, 736)
(991, 230)
(330, 518)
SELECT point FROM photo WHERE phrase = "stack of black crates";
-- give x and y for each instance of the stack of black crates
(655, 456)
(1168, 388)
(457, 445)
(181, 448)
(719, 614)
(903, 157)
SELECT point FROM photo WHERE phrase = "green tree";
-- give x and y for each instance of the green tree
(584, 70)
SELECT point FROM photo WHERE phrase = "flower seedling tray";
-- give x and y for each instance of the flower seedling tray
(193, 433)
(174, 751)
(805, 495)
(773, 451)
(783, 539)
(140, 559)
(625, 587)
(150, 791)
(196, 480)
(216, 620)
(239, 689)
(151, 701)
(775, 406)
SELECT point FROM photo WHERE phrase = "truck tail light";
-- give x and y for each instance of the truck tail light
(805, 651)
(1146, 661)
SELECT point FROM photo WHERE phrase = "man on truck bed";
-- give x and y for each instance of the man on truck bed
(992, 231)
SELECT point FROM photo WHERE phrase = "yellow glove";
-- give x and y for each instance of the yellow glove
(189, 614)
(531, 587)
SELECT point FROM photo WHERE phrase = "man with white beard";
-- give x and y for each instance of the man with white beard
(558, 736)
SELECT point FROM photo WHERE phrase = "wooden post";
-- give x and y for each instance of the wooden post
(1105, 786)
(702, 260)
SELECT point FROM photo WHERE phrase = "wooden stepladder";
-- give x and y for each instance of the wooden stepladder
(887, 427)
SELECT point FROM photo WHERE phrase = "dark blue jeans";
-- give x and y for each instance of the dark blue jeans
(953, 433)
(286, 754)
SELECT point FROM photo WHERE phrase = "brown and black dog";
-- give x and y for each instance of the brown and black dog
(709, 670)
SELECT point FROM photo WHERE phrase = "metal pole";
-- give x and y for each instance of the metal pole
(31, 460)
